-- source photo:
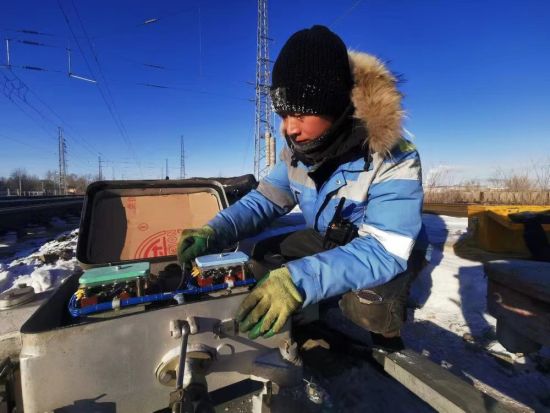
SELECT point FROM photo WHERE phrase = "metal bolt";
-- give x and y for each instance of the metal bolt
(167, 376)
(175, 328)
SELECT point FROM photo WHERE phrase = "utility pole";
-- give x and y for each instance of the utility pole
(182, 159)
(62, 163)
(263, 133)
(100, 170)
(167, 169)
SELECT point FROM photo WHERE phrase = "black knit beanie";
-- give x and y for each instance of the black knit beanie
(312, 75)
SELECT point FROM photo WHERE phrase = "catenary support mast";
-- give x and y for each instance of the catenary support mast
(263, 132)
(62, 163)
(182, 159)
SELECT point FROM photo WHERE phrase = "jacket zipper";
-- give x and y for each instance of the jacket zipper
(323, 206)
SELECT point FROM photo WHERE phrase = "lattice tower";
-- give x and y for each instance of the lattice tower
(264, 138)
(62, 163)
(182, 159)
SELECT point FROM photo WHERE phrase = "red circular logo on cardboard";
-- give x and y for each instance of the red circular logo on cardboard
(161, 244)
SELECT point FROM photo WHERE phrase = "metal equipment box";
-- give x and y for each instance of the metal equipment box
(125, 360)
(494, 231)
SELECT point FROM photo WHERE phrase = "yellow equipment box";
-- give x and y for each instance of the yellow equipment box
(494, 231)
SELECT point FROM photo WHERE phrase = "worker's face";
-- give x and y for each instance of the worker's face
(305, 128)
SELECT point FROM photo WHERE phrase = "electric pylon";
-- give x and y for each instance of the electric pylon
(182, 159)
(264, 139)
(62, 163)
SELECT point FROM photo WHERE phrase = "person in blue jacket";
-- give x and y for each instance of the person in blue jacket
(356, 179)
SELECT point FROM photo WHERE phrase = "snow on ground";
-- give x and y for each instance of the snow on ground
(451, 326)
(43, 269)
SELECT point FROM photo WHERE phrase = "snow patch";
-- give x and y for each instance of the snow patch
(450, 324)
(45, 268)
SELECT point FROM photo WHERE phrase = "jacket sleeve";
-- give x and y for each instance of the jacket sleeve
(390, 225)
(248, 216)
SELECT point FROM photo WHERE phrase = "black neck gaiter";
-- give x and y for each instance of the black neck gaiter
(323, 155)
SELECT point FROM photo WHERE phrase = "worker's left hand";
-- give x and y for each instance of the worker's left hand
(265, 310)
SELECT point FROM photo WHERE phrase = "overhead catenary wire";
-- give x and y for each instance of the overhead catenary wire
(130, 28)
(17, 95)
(94, 54)
(16, 90)
(31, 145)
(105, 95)
(29, 31)
(54, 124)
(345, 13)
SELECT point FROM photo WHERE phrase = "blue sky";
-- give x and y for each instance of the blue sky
(476, 80)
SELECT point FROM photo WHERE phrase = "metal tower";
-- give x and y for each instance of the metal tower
(100, 176)
(62, 163)
(182, 160)
(264, 139)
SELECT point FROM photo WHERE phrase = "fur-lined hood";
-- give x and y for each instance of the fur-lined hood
(377, 101)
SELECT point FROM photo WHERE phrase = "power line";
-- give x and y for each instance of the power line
(23, 88)
(92, 49)
(15, 87)
(345, 13)
(31, 145)
(109, 105)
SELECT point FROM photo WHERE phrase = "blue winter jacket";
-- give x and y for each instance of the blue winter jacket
(383, 197)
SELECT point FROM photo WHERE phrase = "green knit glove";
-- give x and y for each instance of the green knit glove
(195, 242)
(265, 310)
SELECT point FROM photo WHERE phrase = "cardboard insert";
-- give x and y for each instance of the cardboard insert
(133, 225)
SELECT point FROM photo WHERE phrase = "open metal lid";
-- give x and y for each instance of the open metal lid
(126, 221)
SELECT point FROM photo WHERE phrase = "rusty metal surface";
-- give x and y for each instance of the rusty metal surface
(527, 315)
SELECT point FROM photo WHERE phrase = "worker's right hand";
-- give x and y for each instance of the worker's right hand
(195, 242)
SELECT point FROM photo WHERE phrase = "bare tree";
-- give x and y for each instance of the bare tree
(541, 170)
(439, 176)
(471, 185)
(511, 180)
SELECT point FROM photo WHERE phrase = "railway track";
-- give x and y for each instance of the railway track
(20, 201)
(18, 213)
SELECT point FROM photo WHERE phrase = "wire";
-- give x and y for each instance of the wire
(43, 148)
(28, 31)
(33, 68)
(147, 299)
(34, 43)
(147, 22)
(92, 48)
(345, 13)
(15, 90)
(110, 107)
(20, 89)
(85, 143)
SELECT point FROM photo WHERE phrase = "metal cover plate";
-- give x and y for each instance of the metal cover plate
(223, 259)
(115, 273)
